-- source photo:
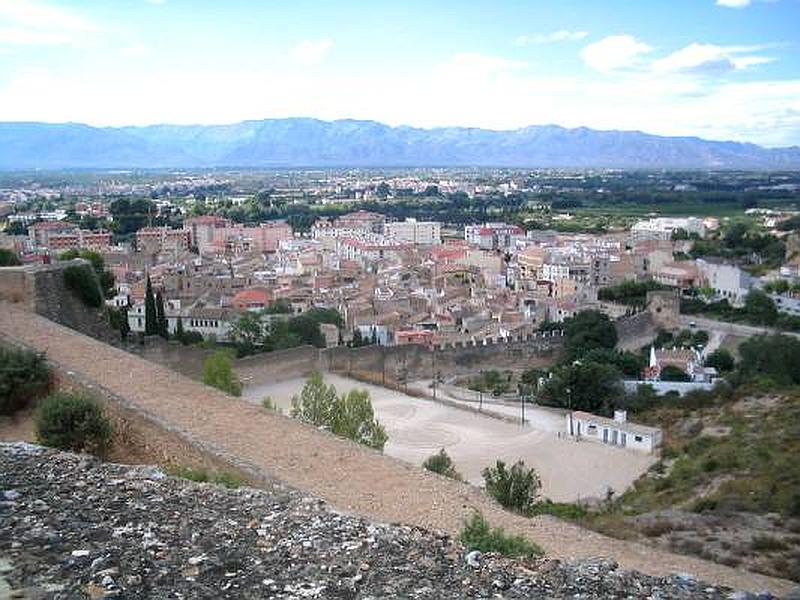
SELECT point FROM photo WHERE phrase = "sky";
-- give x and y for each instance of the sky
(717, 69)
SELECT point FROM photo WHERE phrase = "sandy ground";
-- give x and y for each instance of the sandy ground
(418, 428)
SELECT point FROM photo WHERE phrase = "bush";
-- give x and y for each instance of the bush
(673, 373)
(218, 373)
(73, 422)
(228, 480)
(516, 489)
(478, 535)
(8, 258)
(24, 376)
(442, 464)
(562, 510)
(82, 280)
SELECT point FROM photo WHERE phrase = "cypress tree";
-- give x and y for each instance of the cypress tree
(161, 318)
(150, 316)
(179, 330)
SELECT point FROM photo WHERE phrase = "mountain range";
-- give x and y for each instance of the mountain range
(304, 142)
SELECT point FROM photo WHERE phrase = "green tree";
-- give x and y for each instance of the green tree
(760, 308)
(150, 311)
(721, 360)
(8, 258)
(516, 488)
(442, 464)
(82, 280)
(590, 386)
(161, 317)
(776, 357)
(73, 422)
(180, 334)
(315, 403)
(354, 419)
(350, 415)
(586, 331)
(218, 372)
(104, 276)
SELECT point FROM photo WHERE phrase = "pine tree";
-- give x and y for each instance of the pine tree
(150, 315)
(161, 318)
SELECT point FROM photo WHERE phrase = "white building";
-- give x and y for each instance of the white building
(207, 321)
(786, 304)
(411, 231)
(662, 228)
(615, 432)
(728, 281)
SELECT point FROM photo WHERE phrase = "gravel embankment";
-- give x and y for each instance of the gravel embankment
(73, 527)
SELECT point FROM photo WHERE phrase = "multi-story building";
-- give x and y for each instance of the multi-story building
(411, 231)
(662, 228)
(490, 236)
(59, 237)
(728, 281)
(153, 240)
(361, 220)
(202, 231)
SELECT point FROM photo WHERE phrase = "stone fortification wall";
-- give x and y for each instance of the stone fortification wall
(41, 289)
(278, 366)
(394, 365)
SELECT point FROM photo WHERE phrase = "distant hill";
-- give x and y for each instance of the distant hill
(301, 142)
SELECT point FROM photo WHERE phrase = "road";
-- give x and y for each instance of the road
(732, 328)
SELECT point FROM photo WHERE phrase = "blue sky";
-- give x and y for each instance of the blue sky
(721, 69)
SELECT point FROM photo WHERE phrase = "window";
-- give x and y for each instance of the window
(637, 438)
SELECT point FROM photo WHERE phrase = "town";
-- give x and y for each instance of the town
(523, 316)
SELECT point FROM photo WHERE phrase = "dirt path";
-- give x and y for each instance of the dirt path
(350, 477)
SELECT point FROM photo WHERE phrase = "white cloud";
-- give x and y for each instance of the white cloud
(34, 23)
(135, 51)
(614, 52)
(467, 64)
(24, 37)
(310, 52)
(733, 3)
(710, 58)
(43, 16)
(501, 94)
(561, 35)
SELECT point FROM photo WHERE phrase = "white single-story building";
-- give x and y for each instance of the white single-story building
(615, 432)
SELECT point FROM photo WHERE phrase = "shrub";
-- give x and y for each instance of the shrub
(24, 376)
(73, 422)
(229, 480)
(442, 464)
(516, 489)
(673, 373)
(478, 535)
(562, 510)
(8, 258)
(768, 543)
(218, 373)
(82, 280)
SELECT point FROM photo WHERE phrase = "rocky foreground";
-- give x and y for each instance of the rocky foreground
(74, 527)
